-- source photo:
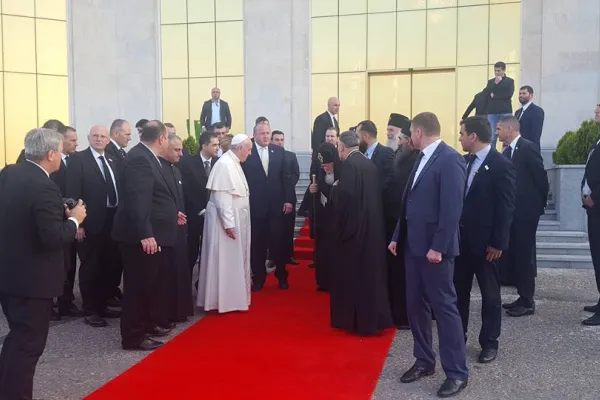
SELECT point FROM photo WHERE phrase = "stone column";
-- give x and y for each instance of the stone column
(114, 62)
(277, 67)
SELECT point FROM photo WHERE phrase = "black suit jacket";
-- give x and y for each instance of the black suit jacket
(402, 167)
(532, 181)
(532, 123)
(501, 103)
(33, 233)
(592, 173)
(479, 104)
(194, 181)
(320, 126)
(489, 205)
(268, 193)
(293, 172)
(383, 157)
(206, 114)
(21, 157)
(118, 159)
(60, 178)
(86, 182)
(173, 178)
(147, 205)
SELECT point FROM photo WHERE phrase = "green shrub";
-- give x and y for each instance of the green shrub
(191, 145)
(574, 146)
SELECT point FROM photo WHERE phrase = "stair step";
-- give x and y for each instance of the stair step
(548, 225)
(565, 249)
(564, 261)
(303, 253)
(561, 236)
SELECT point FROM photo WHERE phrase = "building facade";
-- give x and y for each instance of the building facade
(89, 61)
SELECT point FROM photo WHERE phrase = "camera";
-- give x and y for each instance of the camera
(70, 203)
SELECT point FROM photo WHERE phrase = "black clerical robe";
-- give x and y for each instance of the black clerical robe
(359, 292)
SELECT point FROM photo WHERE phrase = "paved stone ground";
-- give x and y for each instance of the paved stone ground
(548, 356)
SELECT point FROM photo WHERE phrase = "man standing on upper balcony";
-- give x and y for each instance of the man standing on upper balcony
(501, 89)
(215, 110)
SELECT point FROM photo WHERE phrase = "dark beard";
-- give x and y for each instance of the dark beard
(363, 146)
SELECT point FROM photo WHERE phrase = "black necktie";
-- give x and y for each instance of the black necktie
(122, 153)
(508, 152)
(67, 161)
(470, 161)
(110, 187)
(207, 168)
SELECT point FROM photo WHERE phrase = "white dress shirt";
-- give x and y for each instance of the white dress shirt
(332, 118)
(513, 145)
(523, 108)
(112, 175)
(216, 112)
(370, 150)
(263, 153)
(427, 153)
(476, 163)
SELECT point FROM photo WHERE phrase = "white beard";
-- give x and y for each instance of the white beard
(392, 143)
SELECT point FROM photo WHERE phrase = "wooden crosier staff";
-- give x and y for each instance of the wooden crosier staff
(314, 208)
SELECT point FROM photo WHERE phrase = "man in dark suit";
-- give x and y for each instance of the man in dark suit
(325, 121)
(53, 124)
(92, 177)
(500, 90)
(291, 165)
(140, 124)
(590, 196)
(432, 207)
(271, 197)
(530, 116)
(33, 233)
(479, 104)
(484, 230)
(146, 221)
(194, 173)
(215, 110)
(531, 197)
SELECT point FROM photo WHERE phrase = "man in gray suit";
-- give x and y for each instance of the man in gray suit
(432, 207)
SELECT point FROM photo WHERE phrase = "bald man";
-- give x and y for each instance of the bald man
(92, 177)
(214, 111)
(325, 121)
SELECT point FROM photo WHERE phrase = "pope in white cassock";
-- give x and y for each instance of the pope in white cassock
(224, 283)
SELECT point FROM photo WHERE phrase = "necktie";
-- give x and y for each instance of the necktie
(67, 161)
(470, 161)
(520, 113)
(110, 187)
(263, 159)
(207, 168)
(122, 153)
(508, 152)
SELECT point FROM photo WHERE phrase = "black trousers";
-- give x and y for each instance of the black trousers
(593, 216)
(143, 292)
(267, 233)
(468, 265)
(28, 321)
(70, 259)
(194, 241)
(100, 258)
(288, 236)
(520, 256)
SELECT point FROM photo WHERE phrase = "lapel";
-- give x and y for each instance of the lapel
(94, 164)
(431, 160)
(516, 150)
(271, 152)
(256, 157)
(158, 167)
(374, 152)
(482, 170)
(171, 179)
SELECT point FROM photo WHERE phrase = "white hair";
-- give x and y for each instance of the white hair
(39, 141)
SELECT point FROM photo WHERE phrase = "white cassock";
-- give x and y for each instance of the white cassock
(224, 282)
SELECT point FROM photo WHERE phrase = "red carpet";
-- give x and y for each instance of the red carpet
(303, 245)
(283, 348)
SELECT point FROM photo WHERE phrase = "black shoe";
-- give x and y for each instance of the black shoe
(403, 327)
(114, 302)
(311, 265)
(157, 331)
(322, 289)
(69, 310)
(108, 313)
(487, 356)
(451, 387)
(416, 372)
(54, 316)
(257, 287)
(594, 320)
(166, 325)
(521, 311)
(147, 345)
(514, 304)
(283, 285)
(180, 320)
(95, 321)
(593, 309)
(293, 261)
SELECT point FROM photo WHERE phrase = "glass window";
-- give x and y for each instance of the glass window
(381, 42)
(201, 49)
(411, 36)
(473, 25)
(502, 1)
(19, 46)
(388, 93)
(324, 44)
(20, 111)
(473, 2)
(353, 95)
(175, 102)
(200, 92)
(1, 48)
(321, 8)
(441, 3)
(470, 81)
(443, 104)
(200, 10)
(54, 9)
(51, 47)
(2, 149)
(376, 6)
(53, 98)
(174, 51)
(172, 11)
(18, 7)
(323, 87)
(505, 33)
(232, 91)
(353, 7)
(404, 5)
(230, 48)
(229, 10)
(353, 47)
(441, 37)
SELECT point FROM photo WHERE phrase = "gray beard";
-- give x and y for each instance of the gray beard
(392, 143)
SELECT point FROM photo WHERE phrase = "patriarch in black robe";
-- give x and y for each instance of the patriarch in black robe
(359, 292)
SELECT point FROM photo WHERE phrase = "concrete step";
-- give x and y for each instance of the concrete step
(563, 249)
(554, 236)
(548, 225)
(564, 261)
